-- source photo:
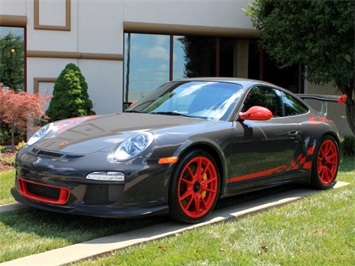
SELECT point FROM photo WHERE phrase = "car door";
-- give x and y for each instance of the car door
(262, 152)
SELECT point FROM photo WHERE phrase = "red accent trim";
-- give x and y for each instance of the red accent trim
(300, 162)
(342, 98)
(318, 120)
(327, 162)
(197, 187)
(307, 165)
(256, 113)
(62, 199)
(255, 175)
(311, 150)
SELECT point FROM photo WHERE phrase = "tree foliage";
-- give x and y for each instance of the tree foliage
(198, 55)
(12, 61)
(18, 109)
(316, 33)
(70, 95)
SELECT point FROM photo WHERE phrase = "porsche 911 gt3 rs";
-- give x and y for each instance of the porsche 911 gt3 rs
(178, 150)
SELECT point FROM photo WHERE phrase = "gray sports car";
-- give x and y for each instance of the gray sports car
(178, 150)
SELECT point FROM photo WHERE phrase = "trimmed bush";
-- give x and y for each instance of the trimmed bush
(70, 95)
(349, 146)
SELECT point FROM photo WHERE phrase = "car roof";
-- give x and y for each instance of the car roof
(242, 81)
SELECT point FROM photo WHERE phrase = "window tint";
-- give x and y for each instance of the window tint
(266, 97)
(293, 106)
(278, 102)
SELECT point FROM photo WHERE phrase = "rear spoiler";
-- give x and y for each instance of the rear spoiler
(324, 99)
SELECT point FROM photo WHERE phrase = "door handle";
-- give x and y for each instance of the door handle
(293, 134)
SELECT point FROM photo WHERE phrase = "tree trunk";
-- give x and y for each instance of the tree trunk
(12, 137)
(350, 113)
(349, 104)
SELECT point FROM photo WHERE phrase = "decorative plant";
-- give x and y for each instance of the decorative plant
(70, 95)
(20, 145)
(21, 110)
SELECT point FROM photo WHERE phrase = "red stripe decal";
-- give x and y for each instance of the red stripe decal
(255, 175)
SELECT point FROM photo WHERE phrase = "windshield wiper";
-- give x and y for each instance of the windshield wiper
(168, 113)
(133, 111)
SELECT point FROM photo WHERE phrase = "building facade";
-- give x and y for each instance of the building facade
(125, 48)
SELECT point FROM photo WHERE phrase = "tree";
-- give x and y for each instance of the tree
(316, 33)
(198, 55)
(18, 109)
(12, 61)
(70, 95)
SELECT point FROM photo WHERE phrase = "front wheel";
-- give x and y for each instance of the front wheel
(194, 188)
(325, 163)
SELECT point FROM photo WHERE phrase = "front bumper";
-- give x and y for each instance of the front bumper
(61, 186)
(104, 211)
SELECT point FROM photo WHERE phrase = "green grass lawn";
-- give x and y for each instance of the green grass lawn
(317, 230)
(6, 182)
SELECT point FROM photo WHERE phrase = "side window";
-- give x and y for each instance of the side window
(266, 97)
(278, 102)
(292, 106)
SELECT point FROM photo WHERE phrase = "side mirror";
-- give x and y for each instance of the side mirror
(256, 113)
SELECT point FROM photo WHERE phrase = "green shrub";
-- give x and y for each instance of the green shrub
(349, 146)
(8, 160)
(70, 95)
(20, 145)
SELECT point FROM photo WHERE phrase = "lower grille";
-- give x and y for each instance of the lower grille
(103, 194)
(43, 193)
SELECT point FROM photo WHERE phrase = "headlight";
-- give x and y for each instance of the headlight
(43, 131)
(133, 146)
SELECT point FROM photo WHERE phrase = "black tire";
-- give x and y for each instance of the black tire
(325, 163)
(193, 195)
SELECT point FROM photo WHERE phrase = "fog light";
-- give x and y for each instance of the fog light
(106, 176)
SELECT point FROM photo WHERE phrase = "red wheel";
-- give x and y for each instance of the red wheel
(194, 188)
(326, 163)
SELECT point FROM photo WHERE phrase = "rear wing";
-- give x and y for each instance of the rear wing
(324, 99)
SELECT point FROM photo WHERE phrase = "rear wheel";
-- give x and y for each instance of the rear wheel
(194, 188)
(325, 163)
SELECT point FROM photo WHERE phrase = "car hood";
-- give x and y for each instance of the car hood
(100, 132)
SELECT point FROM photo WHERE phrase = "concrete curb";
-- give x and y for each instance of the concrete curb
(100, 246)
(12, 207)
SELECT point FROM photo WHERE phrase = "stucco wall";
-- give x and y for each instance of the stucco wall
(13, 7)
(213, 13)
(94, 36)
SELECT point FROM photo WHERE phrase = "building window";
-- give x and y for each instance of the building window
(151, 60)
(178, 60)
(146, 64)
(262, 67)
(12, 57)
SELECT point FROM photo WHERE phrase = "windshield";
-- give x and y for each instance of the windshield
(202, 99)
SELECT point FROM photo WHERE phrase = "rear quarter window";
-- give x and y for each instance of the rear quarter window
(293, 106)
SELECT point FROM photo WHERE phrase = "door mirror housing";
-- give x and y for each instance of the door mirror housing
(256, 113)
